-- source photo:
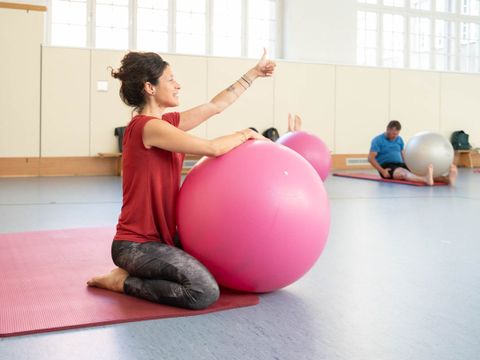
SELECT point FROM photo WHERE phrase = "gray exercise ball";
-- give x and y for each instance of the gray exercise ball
(427, 148)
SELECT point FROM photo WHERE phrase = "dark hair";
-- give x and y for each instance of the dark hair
(136, 69)
(394, 124)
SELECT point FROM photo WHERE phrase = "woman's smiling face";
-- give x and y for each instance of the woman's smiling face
(167, 89)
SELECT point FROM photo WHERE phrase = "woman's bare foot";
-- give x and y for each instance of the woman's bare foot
(291, 125)
(452, 175)
(298, 123)
(113, 281)
(429, 177)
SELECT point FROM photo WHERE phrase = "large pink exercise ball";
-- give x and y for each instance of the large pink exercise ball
(312, 148)
(257, 217)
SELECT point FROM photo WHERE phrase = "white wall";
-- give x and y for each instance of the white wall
(309, 91)
(65, 129)
(320, 31)
(460, 105)
(345, 105)
(361, 107)
(21, 34)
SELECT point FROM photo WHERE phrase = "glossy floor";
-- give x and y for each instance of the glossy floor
(399, 279)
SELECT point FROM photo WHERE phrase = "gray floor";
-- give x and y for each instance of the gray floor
(399, 279)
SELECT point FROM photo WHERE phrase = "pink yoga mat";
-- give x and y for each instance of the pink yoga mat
(43, 284)
(373, 177)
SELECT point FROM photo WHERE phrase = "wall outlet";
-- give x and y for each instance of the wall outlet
(102, 85)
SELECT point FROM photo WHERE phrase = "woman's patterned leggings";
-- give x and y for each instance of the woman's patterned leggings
(164, 274)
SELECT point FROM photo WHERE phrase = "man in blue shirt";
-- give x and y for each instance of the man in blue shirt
(386, 156)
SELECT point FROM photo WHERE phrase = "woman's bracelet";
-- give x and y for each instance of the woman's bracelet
(244, 78)
(249, 81)
(244, 137)
(241, 84)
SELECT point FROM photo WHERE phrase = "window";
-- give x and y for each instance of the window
(203, 27)
(470, 7)
(445, 40)
(469, 47)
(367, 38)
(152, 25)
(261, 27)
(420, 4)
(441, 35)
(69, 23)
(393, 37)
(191, 26)
(227, 27)
(111, 24)
(420, 43)
(447, 6)
(397, 3)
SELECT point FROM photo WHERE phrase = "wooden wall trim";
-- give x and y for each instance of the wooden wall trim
(105, 165)
(28, 7)
(350, 162)
(57, 166)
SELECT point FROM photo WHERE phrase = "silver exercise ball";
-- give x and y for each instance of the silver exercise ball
(427, 148)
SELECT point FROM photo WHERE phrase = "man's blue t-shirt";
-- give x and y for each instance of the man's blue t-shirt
(388, 151)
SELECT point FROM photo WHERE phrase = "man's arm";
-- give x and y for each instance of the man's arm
(371, 159)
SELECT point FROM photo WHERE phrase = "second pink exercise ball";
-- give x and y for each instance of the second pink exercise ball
(257, 217)
(312, 148)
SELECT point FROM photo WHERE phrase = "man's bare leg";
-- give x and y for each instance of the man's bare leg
(452, 175)
(451, 178)
(404, 174)
(113, 281)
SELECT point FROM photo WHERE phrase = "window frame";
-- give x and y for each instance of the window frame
(456, 18)
(132, 28)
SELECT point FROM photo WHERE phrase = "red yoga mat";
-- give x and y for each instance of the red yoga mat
(373, 177)
(43, 284)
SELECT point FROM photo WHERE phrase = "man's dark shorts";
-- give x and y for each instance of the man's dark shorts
(392, 167)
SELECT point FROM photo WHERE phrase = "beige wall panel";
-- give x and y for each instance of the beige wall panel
(309, 91)
(415, 101)
(21, 35)
(361, 107)
(460, 109)
(107, 109)
(65, 102)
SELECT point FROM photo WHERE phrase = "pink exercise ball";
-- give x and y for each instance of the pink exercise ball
(312, 148)
(257, 217)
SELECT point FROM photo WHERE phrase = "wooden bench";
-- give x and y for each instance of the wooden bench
(463, 158)
(118, 161)
(190, 160)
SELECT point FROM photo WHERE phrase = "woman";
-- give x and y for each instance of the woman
(150, 265)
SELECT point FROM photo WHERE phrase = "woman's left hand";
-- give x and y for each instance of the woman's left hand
(265, 67)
